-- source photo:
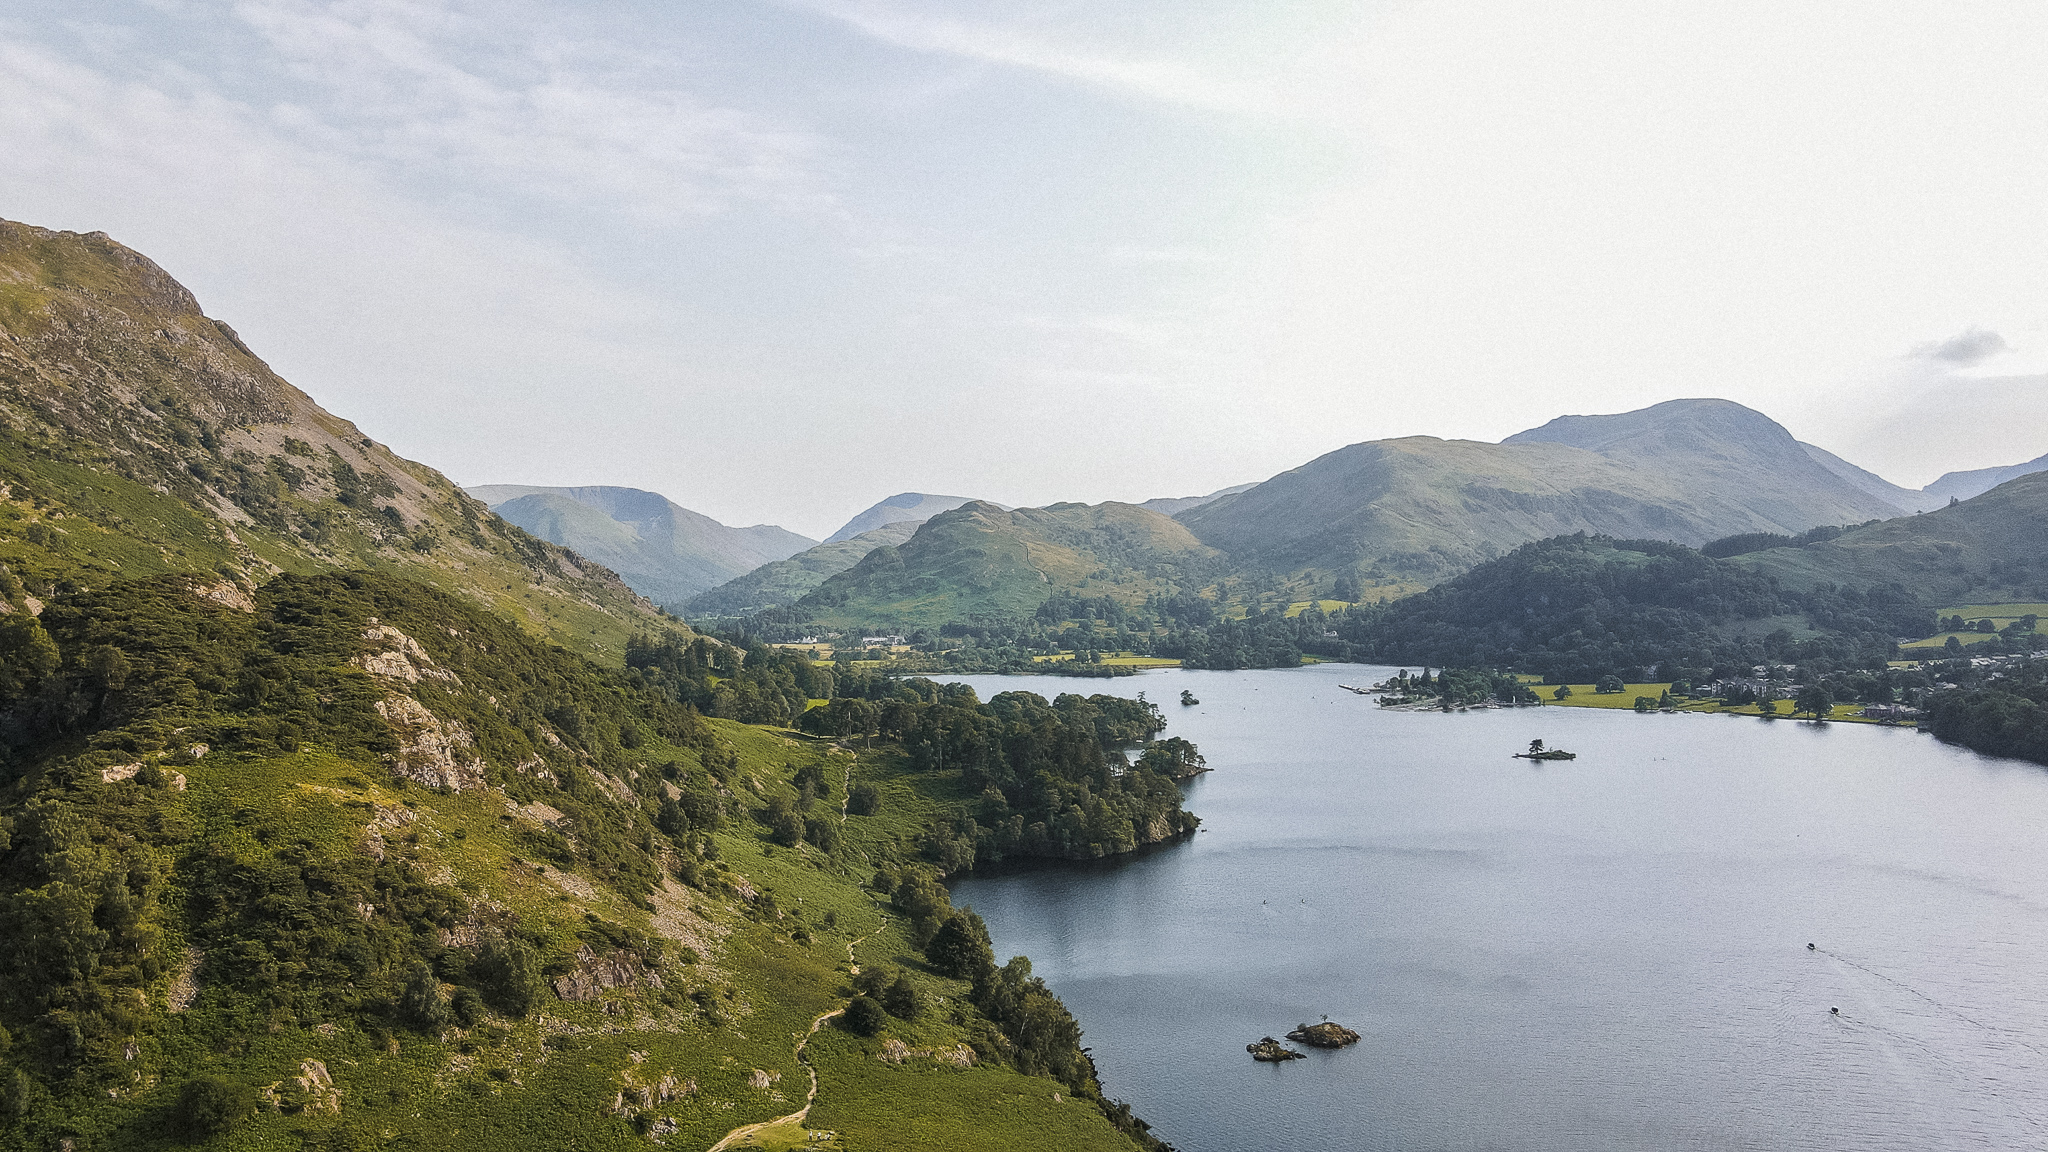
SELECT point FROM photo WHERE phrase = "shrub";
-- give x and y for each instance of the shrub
(864, 800)
(507, 973)
(864, 1017)
(423, 1004)
(787, 828)
(822, 831)
(468, 1007)
(900, 1000)
(210, 1105)
(960, 948)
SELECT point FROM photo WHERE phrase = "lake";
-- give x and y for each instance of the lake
(1605, 953)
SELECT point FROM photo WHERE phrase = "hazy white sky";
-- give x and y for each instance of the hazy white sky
(779, 260)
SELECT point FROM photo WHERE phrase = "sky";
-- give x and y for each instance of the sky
(779, 260)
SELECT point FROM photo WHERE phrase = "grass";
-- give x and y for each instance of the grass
(927, 1106)
(1583, 696)
(1939, 640)
(1125, 659)
(1301, 606)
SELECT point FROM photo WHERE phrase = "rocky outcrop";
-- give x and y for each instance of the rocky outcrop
(897, 1052)
(1324, 1035)
(596, 973)
(312, 1092)
(396, 656)
(1271, 1051)
(431, 751)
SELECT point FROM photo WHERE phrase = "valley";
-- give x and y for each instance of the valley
(343, 807)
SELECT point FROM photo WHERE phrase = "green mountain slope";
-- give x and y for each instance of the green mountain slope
(666, 552)
(1992, 547)
(785, 582)
(1423, 508)
(353, 863)
(1904, 501)
(981, 561)
(140, 437)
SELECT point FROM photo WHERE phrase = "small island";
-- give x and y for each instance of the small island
(1538, 752)
(1271, 1051)
(1324, 1035)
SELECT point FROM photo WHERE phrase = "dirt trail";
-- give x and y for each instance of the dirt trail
(733, 1137)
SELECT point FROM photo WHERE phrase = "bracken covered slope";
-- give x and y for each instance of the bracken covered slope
(138, 436)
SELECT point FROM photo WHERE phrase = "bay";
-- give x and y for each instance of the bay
(1604, 953)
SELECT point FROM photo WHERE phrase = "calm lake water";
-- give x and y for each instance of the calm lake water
(1606, 953)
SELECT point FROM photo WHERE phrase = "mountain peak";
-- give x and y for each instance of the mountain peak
(665, 551)
(917, 506)
(1673, 423)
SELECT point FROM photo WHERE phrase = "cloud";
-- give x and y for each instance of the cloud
(1238, 63)
(1965, 349)
(518, 105)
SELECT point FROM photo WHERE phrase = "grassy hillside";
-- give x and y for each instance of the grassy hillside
(785, 582)
(1423, 509)
(664, 551)
(981, 561)
(1993, 547)
(356, 864)
(139, 437)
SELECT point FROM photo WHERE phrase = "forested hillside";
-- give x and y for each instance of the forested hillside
(1577, 608)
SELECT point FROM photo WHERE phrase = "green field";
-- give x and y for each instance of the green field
(2000, 615)
(1583, 696)
(1121, 659)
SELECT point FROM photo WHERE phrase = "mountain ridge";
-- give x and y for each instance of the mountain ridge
(1423, 508)
(904, 506)
(665, 551)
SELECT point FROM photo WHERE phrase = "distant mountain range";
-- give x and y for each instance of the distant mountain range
(665, 551)
(1963, 485)
(784, 582)
(1175, 505)
(1420, 508)
(904, 507)
(1390, 515)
